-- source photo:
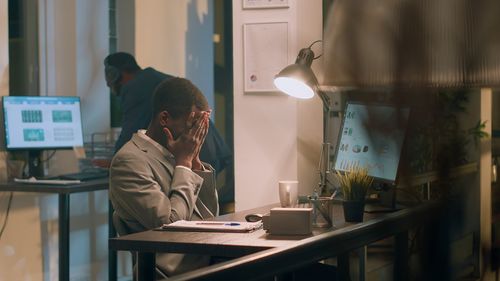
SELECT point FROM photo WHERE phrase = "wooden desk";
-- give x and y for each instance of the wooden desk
(373, 228)
(63, 192)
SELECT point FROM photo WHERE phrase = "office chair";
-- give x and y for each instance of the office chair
(122, 229)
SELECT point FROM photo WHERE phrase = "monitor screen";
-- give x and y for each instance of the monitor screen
(372, 137)
(33, 122)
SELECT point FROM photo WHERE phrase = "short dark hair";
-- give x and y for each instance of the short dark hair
(177, 96)
(122, 61)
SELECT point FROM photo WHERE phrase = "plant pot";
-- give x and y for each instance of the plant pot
(353, 210)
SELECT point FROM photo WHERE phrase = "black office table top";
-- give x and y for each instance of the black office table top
(84, 186)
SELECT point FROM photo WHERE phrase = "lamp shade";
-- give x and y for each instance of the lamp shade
(298, 79)
(444, 43)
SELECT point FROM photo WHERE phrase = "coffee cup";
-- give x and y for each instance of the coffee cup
(288, 193)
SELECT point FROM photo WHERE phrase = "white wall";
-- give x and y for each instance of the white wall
(275, 136)
(73, 47)
(92, 46)
(76, 44)
(160, 35)
(175, 37)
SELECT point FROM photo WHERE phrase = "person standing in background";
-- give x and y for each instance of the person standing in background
(135, 87)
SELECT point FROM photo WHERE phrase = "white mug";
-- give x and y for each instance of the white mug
(289, 193)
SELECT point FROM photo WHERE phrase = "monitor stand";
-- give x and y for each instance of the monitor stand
(387, 199)
(35, 165)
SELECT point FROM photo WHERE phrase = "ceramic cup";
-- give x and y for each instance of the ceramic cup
(288, 191)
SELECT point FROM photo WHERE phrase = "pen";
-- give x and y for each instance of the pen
(218, 223)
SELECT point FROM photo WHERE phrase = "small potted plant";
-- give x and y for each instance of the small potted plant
(354, 185)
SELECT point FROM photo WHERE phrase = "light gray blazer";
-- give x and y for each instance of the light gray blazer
(147, 190)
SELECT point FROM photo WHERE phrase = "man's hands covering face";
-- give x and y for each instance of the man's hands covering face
(186, 148)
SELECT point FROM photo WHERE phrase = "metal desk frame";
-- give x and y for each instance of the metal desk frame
(63, 192)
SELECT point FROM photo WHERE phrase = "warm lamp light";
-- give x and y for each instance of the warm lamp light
(294, 87)
(298, 79)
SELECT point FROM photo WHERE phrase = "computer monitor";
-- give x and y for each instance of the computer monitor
(34, 123)
(372, 137)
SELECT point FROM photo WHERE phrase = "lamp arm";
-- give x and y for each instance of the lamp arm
(324, 165)
(324, 168)
(325, 99)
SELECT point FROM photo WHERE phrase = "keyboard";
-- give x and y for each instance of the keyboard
(85, 176)
(33, 180)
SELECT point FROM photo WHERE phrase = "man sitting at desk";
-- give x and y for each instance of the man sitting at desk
(157, 177)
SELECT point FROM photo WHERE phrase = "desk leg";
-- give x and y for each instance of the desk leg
(362, 263)
(146, 266)
(63, 237)
(112, 255)
(401, 256)
(343, 272)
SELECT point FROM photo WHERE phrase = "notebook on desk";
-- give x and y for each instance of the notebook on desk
(212, 226)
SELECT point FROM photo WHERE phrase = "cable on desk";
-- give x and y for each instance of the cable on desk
(48, 157)
(7, 211)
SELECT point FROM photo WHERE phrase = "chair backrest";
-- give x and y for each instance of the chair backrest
(119, 225)
(122, 229)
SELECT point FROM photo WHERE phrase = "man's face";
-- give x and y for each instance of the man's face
(185, 122)
(114, 87)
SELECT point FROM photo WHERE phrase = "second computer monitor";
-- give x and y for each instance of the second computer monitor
(372, 137)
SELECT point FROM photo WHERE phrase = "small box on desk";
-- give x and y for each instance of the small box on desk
(288, 221)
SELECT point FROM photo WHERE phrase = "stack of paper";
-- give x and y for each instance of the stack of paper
(213, 226)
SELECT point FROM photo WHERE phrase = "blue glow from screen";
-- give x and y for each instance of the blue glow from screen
(33, 122)
(372, 137)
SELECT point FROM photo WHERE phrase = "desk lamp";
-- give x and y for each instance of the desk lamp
(299, 81)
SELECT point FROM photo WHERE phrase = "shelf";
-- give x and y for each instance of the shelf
(434, 176)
